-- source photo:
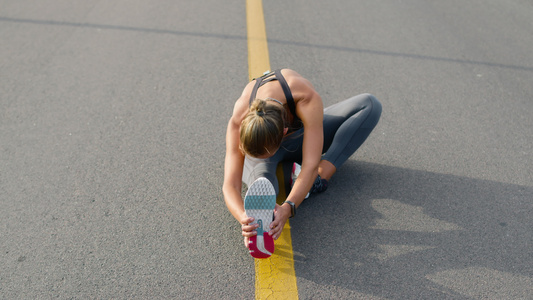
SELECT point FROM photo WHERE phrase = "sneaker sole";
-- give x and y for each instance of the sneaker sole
(259, 203)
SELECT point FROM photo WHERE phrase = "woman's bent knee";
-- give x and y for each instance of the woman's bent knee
(375, 109)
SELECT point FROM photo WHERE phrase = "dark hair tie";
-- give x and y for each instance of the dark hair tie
(260, 113)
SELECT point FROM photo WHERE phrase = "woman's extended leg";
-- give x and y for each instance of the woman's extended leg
(347, 124)
(257, 167)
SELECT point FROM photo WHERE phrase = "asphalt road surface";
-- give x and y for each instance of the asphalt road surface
(112, 123)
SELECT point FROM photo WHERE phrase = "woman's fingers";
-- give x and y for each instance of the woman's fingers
(246, 220)
(249, 230)
(275, 229)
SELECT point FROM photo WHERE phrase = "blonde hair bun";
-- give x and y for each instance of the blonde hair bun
(261, 130)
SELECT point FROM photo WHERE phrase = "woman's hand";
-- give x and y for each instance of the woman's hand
(281, 215)
(247, 229)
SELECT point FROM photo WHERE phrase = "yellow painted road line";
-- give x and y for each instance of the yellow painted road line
(275, 277)
(258, 59)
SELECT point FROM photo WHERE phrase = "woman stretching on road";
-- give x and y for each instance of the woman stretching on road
(280, 117)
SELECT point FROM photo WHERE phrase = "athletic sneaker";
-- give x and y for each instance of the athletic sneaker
(259, 203)
(320, 185)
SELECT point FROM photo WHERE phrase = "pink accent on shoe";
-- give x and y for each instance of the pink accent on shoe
(254, 244)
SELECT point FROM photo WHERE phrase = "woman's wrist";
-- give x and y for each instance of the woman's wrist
(287, 210)
(292, 207)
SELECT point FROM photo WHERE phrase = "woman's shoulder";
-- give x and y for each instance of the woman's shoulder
(290, 74)
(301, 87)
(294, 79)
(240, 107)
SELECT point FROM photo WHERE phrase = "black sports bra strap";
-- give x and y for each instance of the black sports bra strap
(285, 87)
(287, 92)
(254, 91)
(258, 83)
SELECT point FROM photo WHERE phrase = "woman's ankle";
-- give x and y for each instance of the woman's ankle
(326, 170)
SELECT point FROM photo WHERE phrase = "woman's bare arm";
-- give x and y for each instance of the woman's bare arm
(233, 167)
(310, 110)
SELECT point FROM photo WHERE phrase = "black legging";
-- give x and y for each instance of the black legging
(347, 124)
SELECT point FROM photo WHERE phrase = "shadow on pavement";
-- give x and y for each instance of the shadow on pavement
(388, 232)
